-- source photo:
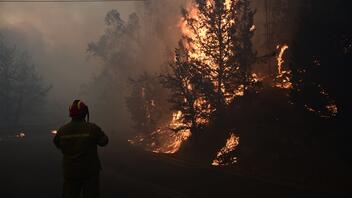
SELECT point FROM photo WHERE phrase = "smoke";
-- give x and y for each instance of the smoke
(142, 42)
(56, 35)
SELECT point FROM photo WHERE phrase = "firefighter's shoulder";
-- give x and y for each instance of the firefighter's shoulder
(64, 128)
(94, 126)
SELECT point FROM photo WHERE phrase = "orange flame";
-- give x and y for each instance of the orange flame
(231, 143)
(283, 77)
(280, 60)
(166, 139)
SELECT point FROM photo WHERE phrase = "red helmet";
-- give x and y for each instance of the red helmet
(79, 109)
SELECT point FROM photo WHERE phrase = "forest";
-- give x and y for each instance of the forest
(252, 88)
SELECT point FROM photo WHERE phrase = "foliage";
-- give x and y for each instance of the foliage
(147, 103)
(213, 60)
(119, 46)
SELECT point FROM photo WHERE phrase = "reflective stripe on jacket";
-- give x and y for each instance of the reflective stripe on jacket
(78, 142)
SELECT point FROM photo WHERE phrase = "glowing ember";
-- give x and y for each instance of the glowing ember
(253, 28)
(332, 108)
(231, 144)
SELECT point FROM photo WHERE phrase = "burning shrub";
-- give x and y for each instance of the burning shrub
(224, 157)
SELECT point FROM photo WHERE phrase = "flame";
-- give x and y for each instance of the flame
(228, 4)
(197, 33)
(280, 60)
(231, 143)
(283, 78)
(253, 28)
(168, 139)
(332, 109)
(200, 104)
(54, 132)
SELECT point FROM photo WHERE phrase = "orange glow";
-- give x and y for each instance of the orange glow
(167, 139)
(280, 60)
(231, 143)
(283, 78)
(332, 109)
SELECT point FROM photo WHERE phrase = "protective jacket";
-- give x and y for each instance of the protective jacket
(78, 142)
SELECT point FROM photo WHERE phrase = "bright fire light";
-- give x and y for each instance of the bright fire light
(283, 78)
(231, 143)
(280, 60)
(166, 139)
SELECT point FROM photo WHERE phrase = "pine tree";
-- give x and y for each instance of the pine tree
(185, 84)
(242, 33)
(213, 62)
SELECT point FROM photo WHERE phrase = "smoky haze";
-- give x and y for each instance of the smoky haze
(56, 36)
(96, 51)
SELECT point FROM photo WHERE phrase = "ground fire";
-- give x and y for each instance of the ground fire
(231, 144)
(167, 139)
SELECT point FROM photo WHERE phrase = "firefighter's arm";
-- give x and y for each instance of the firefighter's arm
(102, 139)
(56, 141)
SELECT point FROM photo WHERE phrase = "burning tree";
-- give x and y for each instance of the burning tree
(149, 109)
(213, 61)
(185, 85)
(147, 103)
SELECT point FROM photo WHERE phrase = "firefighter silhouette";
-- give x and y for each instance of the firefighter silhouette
(78, 141)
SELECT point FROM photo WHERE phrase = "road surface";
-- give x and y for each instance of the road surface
(31, 167)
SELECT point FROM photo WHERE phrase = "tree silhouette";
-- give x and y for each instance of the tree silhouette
(21, 88)
(213, 60)
(147, 103)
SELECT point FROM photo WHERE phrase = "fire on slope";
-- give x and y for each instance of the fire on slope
(221, 157)
(169, 138)
(330, 110)
(166, 139)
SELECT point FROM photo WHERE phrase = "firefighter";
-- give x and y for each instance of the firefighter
(78, 142)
